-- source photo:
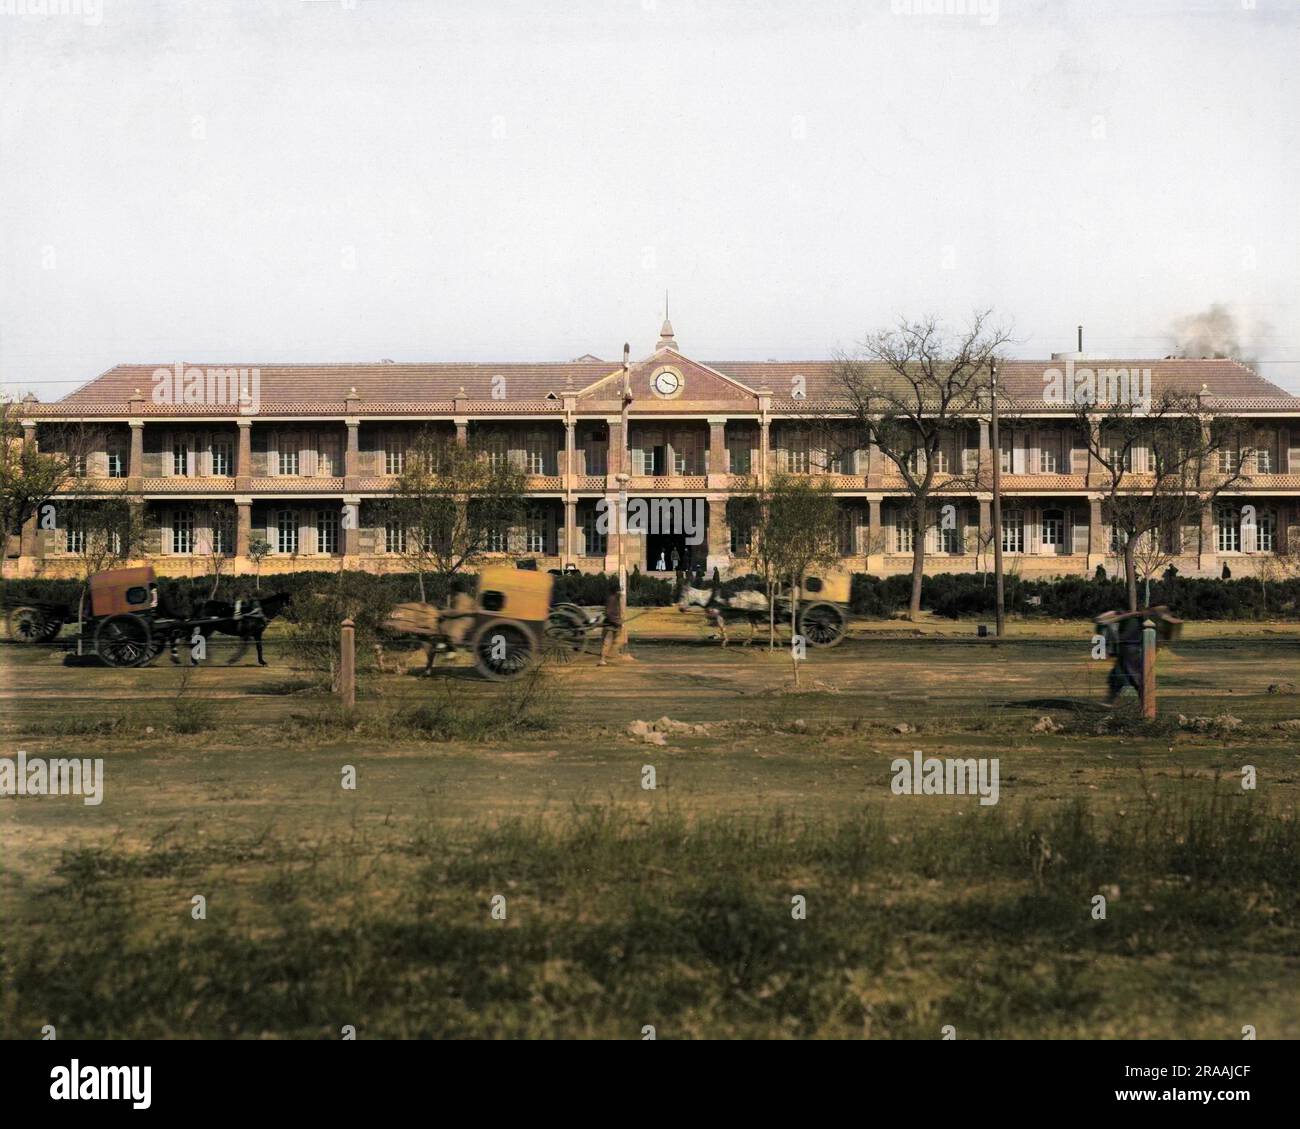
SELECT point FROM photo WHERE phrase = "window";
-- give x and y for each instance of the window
(498, 539)
(221, 458)
(180, 457)
(1013, 532)
(742, 539)
(327, 458)
(1120, 458)
(1229, 529)
(288, 458)
(1264, 460)
(535, 453)
(904, 537)
(286, 530)
(394, 454)
(74, 539)
(798, 453)
(593, 540)
(535, 532)
(686, 454)
(116, 463)
(1265, 533)
(497, 448)
(327, 531)
(848, 531)
(1228, 459)
(1006, 456)
(596, 458)
(183, 531)
(394, 537)
(223, 532)
(1049, 453)
(740, 454)
(950, 540)
(1054, 529)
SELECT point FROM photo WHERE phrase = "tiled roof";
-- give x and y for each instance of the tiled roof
(392, 388)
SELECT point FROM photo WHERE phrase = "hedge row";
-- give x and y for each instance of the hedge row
(957, 595)
(952, 595)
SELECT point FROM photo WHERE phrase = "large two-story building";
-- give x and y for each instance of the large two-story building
(301, 456)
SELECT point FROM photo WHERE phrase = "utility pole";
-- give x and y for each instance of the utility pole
(1001, 609)
(623, 477)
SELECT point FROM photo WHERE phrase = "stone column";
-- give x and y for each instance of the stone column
(352, 452)
(1097, 473)
(1207, 556)
(874, 549)
(243, 526)
(569, 548)
(617, 446)
(717, 453)
(719, 535)
(351, 522)
(462, 430)
(569, 464)
(764, 449)
(135, 460)
(1097, 546)
(875, 466)
(244, 455)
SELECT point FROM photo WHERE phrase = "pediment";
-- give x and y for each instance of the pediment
(698, 387)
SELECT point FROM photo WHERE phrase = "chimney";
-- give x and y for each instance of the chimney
(1080, 339)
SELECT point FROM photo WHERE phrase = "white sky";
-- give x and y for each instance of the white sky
(492, 180)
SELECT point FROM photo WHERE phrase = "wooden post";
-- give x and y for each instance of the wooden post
(348, 665)
(1148, 669)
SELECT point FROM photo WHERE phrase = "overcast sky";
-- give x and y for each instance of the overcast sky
(301, 180)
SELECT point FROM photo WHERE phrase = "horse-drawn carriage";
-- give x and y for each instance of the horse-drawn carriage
(503, 625)
(119, 619)
(821, 616)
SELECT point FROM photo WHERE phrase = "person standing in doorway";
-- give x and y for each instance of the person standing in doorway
(677, 560)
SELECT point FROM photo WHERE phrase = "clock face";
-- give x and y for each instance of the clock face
(667, 383)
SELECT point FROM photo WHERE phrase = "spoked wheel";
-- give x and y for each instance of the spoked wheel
(823, 625)
(125, 640)
(30, 625)
(503, 650)
(566, 632)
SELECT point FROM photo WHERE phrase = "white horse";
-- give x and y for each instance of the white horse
(752, 606)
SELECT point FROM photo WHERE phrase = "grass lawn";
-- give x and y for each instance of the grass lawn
(672, 907)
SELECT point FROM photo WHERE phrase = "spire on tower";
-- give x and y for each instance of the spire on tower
(666, 339)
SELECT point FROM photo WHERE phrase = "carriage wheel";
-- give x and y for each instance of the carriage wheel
(503, 650)
(566, 632)
(53, 625)
(124, 640)
(823, 625)
(28, 625)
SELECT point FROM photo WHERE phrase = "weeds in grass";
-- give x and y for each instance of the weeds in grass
(616, 919)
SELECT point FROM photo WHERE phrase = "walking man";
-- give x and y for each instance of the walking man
(613, 624)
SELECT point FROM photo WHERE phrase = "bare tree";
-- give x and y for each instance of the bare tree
(216, 547)
(1161, 464)
(911, 392)
(792, 525)
(448, 503)
(102, 530)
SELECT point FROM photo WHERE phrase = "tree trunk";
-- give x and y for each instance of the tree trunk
(794, 631)
(1130, 573)
(420, 577)
(918, 570)
(771, 616)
